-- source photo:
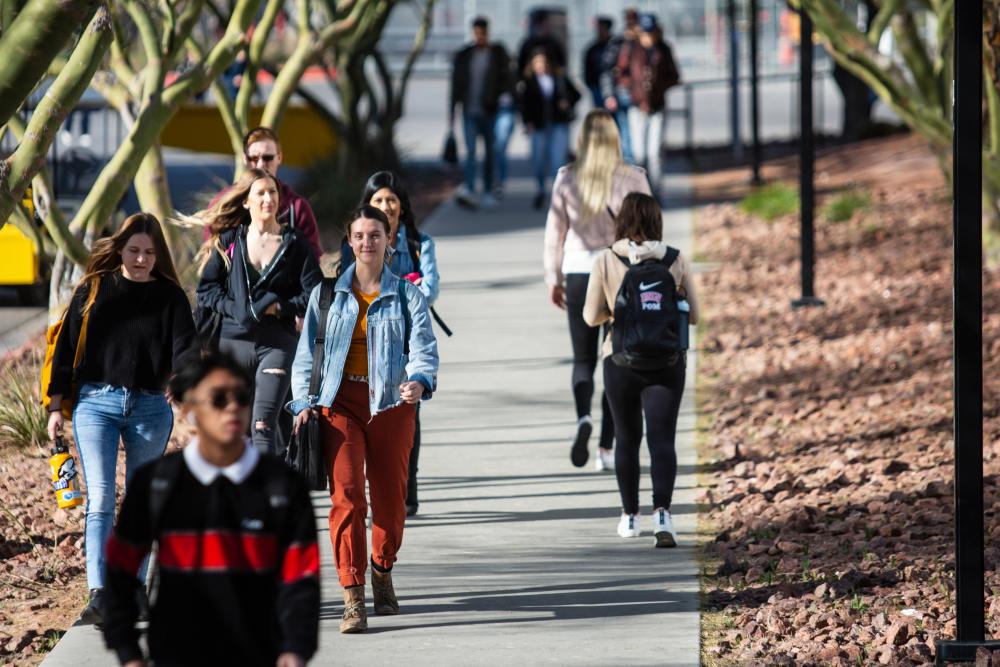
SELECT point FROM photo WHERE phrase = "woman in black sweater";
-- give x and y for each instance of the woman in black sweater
(258, 274)
(547, 99)
(133, 321)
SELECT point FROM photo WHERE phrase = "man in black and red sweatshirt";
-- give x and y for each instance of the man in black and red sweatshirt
(238, 559)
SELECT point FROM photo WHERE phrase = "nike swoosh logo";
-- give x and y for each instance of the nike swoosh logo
(643, 286)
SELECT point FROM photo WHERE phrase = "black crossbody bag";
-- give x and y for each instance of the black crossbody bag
(305, 451)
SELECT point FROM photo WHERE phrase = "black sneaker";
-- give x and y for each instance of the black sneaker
(538, 202)
(93, 614)
(579, 454)
(411, 509)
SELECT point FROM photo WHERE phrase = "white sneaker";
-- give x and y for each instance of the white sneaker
(605, 460)
(488, 201)
(663, 529)
(628, 525)
(466, 198)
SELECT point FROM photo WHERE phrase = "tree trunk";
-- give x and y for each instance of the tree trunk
(29, 157)
(37, 34)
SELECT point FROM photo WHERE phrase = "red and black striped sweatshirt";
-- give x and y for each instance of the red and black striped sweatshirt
(239, 565)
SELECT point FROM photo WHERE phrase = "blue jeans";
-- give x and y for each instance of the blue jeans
(475, 125)
(503, 127)
(621, 120)
(104, 414)
(549, 149)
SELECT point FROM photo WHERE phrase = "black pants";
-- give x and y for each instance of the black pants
(269, 357)
(586, 348)
(657, 396)
(411, 482)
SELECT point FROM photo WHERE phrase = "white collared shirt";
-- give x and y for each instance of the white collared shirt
(206, 472)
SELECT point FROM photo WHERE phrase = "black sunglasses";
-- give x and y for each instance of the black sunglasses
(220, 398)
(267, 157)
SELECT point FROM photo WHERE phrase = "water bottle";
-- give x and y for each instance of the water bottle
(64, 480)
(683, 315)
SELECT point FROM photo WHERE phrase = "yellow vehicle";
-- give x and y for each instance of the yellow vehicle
(21, 263)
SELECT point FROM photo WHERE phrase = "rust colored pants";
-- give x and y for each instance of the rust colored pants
(354, 448)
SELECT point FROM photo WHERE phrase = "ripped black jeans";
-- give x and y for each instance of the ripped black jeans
(269, 358)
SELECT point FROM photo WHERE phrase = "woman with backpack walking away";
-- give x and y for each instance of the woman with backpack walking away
(645, 288)
(379, 360)
(412, 258)
(257, 275)
(581, 224)
(133, 320)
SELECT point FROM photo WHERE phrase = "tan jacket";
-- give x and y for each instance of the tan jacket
(564, 229)
(608, 273)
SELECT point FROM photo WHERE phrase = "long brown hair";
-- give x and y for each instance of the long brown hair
(229, 213)
(639, 219)
(106, 255)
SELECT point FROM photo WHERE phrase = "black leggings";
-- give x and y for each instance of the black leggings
(411, 482)
(657, 395)
(269, 357)
(586, 346)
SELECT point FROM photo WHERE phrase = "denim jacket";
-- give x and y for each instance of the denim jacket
(388, 367)
(401, 263)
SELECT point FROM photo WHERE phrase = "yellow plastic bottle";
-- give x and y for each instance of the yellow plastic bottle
(64, 476)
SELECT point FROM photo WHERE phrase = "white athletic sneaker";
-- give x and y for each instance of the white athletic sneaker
(605, 460)
(663, 529)
(628, 525)
(464, 197)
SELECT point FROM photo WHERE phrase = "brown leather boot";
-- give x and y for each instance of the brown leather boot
(386, 603)
(355, 617)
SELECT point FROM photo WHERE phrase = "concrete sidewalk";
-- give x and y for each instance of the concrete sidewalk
(513, 558)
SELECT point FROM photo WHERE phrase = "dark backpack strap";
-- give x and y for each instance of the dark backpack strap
(610, 212)
(413, 247)
(404, 303)
(623, 260)
(166, 472)
(671, 256)
(325, 299)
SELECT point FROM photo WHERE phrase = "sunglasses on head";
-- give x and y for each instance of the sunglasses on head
(267, 157)
(220, 398)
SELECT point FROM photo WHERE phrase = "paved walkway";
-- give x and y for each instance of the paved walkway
(514, 557)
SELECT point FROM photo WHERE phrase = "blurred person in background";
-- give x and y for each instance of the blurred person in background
(616, 98)
(593, 59)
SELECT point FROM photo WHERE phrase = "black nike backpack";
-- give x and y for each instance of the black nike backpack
(646, 331)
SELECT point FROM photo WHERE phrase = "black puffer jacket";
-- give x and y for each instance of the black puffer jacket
(287, 280)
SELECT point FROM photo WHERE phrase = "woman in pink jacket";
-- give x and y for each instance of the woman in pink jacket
(586, 196)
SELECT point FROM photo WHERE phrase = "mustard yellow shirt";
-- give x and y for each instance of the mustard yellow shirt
(357, 353)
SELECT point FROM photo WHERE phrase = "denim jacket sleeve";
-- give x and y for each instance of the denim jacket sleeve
(302, 365)
(422, 366)
(430, 283)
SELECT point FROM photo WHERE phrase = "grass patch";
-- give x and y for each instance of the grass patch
(771, 201)
(23, 421)
(843, 206)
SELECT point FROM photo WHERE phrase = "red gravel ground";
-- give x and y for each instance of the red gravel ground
(829, 446)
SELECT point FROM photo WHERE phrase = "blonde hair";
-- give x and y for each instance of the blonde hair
(599, 152)
(228, 213)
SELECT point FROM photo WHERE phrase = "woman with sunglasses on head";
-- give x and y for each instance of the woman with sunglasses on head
(257, 274)
(380, 359)
(579, 226)
(412, 257)
(136, 322)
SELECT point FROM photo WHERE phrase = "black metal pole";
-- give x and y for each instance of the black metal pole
(734, 81)
(754, 95)
(807, 195)
(967, 353)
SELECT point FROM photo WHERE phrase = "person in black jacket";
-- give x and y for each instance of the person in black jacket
(258, 275)
(593, 59)
(126, 329)
(236, 541)
(547, 100)
(479, 77)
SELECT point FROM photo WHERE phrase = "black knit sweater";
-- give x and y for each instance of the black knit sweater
(135, 334)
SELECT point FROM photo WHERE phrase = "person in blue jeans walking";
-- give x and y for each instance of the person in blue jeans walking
(138, 324)
(617, 99)
(547, 101)
(480, 76)
(412, 256)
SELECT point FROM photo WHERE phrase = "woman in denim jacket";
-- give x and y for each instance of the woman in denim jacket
(369, 387)
(412, 257)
